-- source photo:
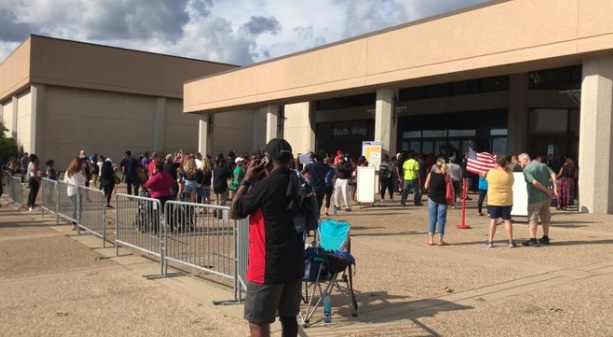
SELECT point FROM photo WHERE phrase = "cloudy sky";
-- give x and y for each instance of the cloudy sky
(230, 31)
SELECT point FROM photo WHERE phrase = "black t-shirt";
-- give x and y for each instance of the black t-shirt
(344, 170)
(221, 174)
(438, 188)
(107, 174)
(129, 166)
(276, 251)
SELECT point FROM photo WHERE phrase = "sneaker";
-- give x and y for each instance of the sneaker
(489, 244)
(531, 242)
(347, 209)
(544, 240)
(480, 214)
(512, 244)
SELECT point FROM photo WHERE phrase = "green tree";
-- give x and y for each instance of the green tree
(8, 146)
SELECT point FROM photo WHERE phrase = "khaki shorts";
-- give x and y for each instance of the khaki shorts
(539, 210)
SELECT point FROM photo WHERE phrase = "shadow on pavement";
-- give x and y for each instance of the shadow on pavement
(398, 311)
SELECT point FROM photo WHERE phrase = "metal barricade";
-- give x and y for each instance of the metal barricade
(200, 236)
(137, 225)
(17, 190)
(49, 195)
(93, 212)
(242, 256)
(5, 181)
(8, 189)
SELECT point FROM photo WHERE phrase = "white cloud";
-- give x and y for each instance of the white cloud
(229, 31)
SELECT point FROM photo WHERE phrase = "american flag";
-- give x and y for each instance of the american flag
(480, 162)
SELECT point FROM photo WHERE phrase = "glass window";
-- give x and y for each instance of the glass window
(574, 122)
(411, 94)
(435, 133)
(465, 87)
(498, 132)
(411, 134)
(440, 147)
(438, 90)
(405, 146)
(466, 144)
(462, 133)
(556, 79)
(499, 146)
(428, 147)
(415, 146)
(454, 146)
(497, 83)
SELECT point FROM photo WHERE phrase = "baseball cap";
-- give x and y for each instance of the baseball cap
(279, 149)
(238, 159)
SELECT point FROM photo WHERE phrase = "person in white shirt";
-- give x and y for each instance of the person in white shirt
(455, 171)
(74, 178)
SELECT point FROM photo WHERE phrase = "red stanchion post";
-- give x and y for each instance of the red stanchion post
(463, 225)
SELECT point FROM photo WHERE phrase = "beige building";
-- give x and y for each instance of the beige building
(505, 77)
(58, 97)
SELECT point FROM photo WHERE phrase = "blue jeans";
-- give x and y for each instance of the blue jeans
(406, 187)
(438, 214)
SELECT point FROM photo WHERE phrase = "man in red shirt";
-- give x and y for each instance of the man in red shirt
(276, 250)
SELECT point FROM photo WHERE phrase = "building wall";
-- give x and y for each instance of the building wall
(233, 131)
(15, 71)
(110, 123)
(7, 117)
(24, 121)
(181, 129)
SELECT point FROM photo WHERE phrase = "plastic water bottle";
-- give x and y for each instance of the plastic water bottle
(334, 210)
(327, 308)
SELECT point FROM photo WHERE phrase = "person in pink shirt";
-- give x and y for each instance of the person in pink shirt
(160, 184)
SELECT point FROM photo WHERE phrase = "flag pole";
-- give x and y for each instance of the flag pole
(463, 225)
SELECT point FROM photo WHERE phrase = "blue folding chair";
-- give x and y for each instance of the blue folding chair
(328, 267)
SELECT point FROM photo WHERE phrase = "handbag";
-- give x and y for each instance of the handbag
(449, 193)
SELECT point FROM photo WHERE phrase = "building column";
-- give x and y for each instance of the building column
(299, 127)
(159, 125)
(273, 118)
(37, 119)
(595, 140)
(205, 134)
(517, 116)
(259, 130)
(15, 115)
(385, 120)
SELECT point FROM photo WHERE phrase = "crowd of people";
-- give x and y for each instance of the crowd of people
(251, 183)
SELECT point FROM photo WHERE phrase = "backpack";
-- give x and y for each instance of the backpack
(384, 172)
(303, 205)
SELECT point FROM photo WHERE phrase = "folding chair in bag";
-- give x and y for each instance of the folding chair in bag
(328, 267)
